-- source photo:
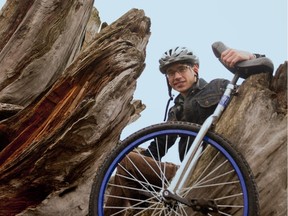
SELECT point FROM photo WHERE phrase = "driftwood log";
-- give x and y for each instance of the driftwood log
(66, 93)
(76, 103)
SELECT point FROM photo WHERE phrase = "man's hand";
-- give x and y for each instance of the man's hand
(231, 56)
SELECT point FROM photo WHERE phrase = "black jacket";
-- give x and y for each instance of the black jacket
(199, 104)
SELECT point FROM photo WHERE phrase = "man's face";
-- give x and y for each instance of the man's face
(181, 77)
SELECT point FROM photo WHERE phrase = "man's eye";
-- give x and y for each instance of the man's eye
(182, 69)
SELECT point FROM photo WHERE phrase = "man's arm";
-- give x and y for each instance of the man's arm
(232, 56)
(157, 148)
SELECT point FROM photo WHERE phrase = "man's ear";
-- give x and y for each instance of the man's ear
(196, 68)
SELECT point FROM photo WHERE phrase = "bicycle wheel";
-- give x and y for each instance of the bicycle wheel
(129, 183)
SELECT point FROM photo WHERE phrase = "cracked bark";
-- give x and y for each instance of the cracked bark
(81, 103)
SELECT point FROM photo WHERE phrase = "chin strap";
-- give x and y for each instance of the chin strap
(169, 100)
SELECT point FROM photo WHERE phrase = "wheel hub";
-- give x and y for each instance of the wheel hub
(201, 205)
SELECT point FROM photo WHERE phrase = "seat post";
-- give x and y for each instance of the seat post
(235, 78)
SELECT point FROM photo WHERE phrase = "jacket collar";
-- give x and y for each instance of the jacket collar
(197, 87)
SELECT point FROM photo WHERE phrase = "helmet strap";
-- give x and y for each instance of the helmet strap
(169, 100)
(197, 78)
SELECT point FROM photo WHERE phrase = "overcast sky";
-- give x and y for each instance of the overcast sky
(258, 26)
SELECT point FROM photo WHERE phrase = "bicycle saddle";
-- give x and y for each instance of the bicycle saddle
(245, 68)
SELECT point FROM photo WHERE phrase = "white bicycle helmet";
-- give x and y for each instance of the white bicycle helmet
(178, 54)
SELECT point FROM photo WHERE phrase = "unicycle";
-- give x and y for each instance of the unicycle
(213, 178)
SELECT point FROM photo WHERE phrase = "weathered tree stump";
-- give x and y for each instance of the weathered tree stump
(256, 122)
(53, 146)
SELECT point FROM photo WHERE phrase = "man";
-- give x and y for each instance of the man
(197, 100)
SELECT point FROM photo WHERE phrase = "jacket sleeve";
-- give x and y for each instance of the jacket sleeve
(157, 148)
